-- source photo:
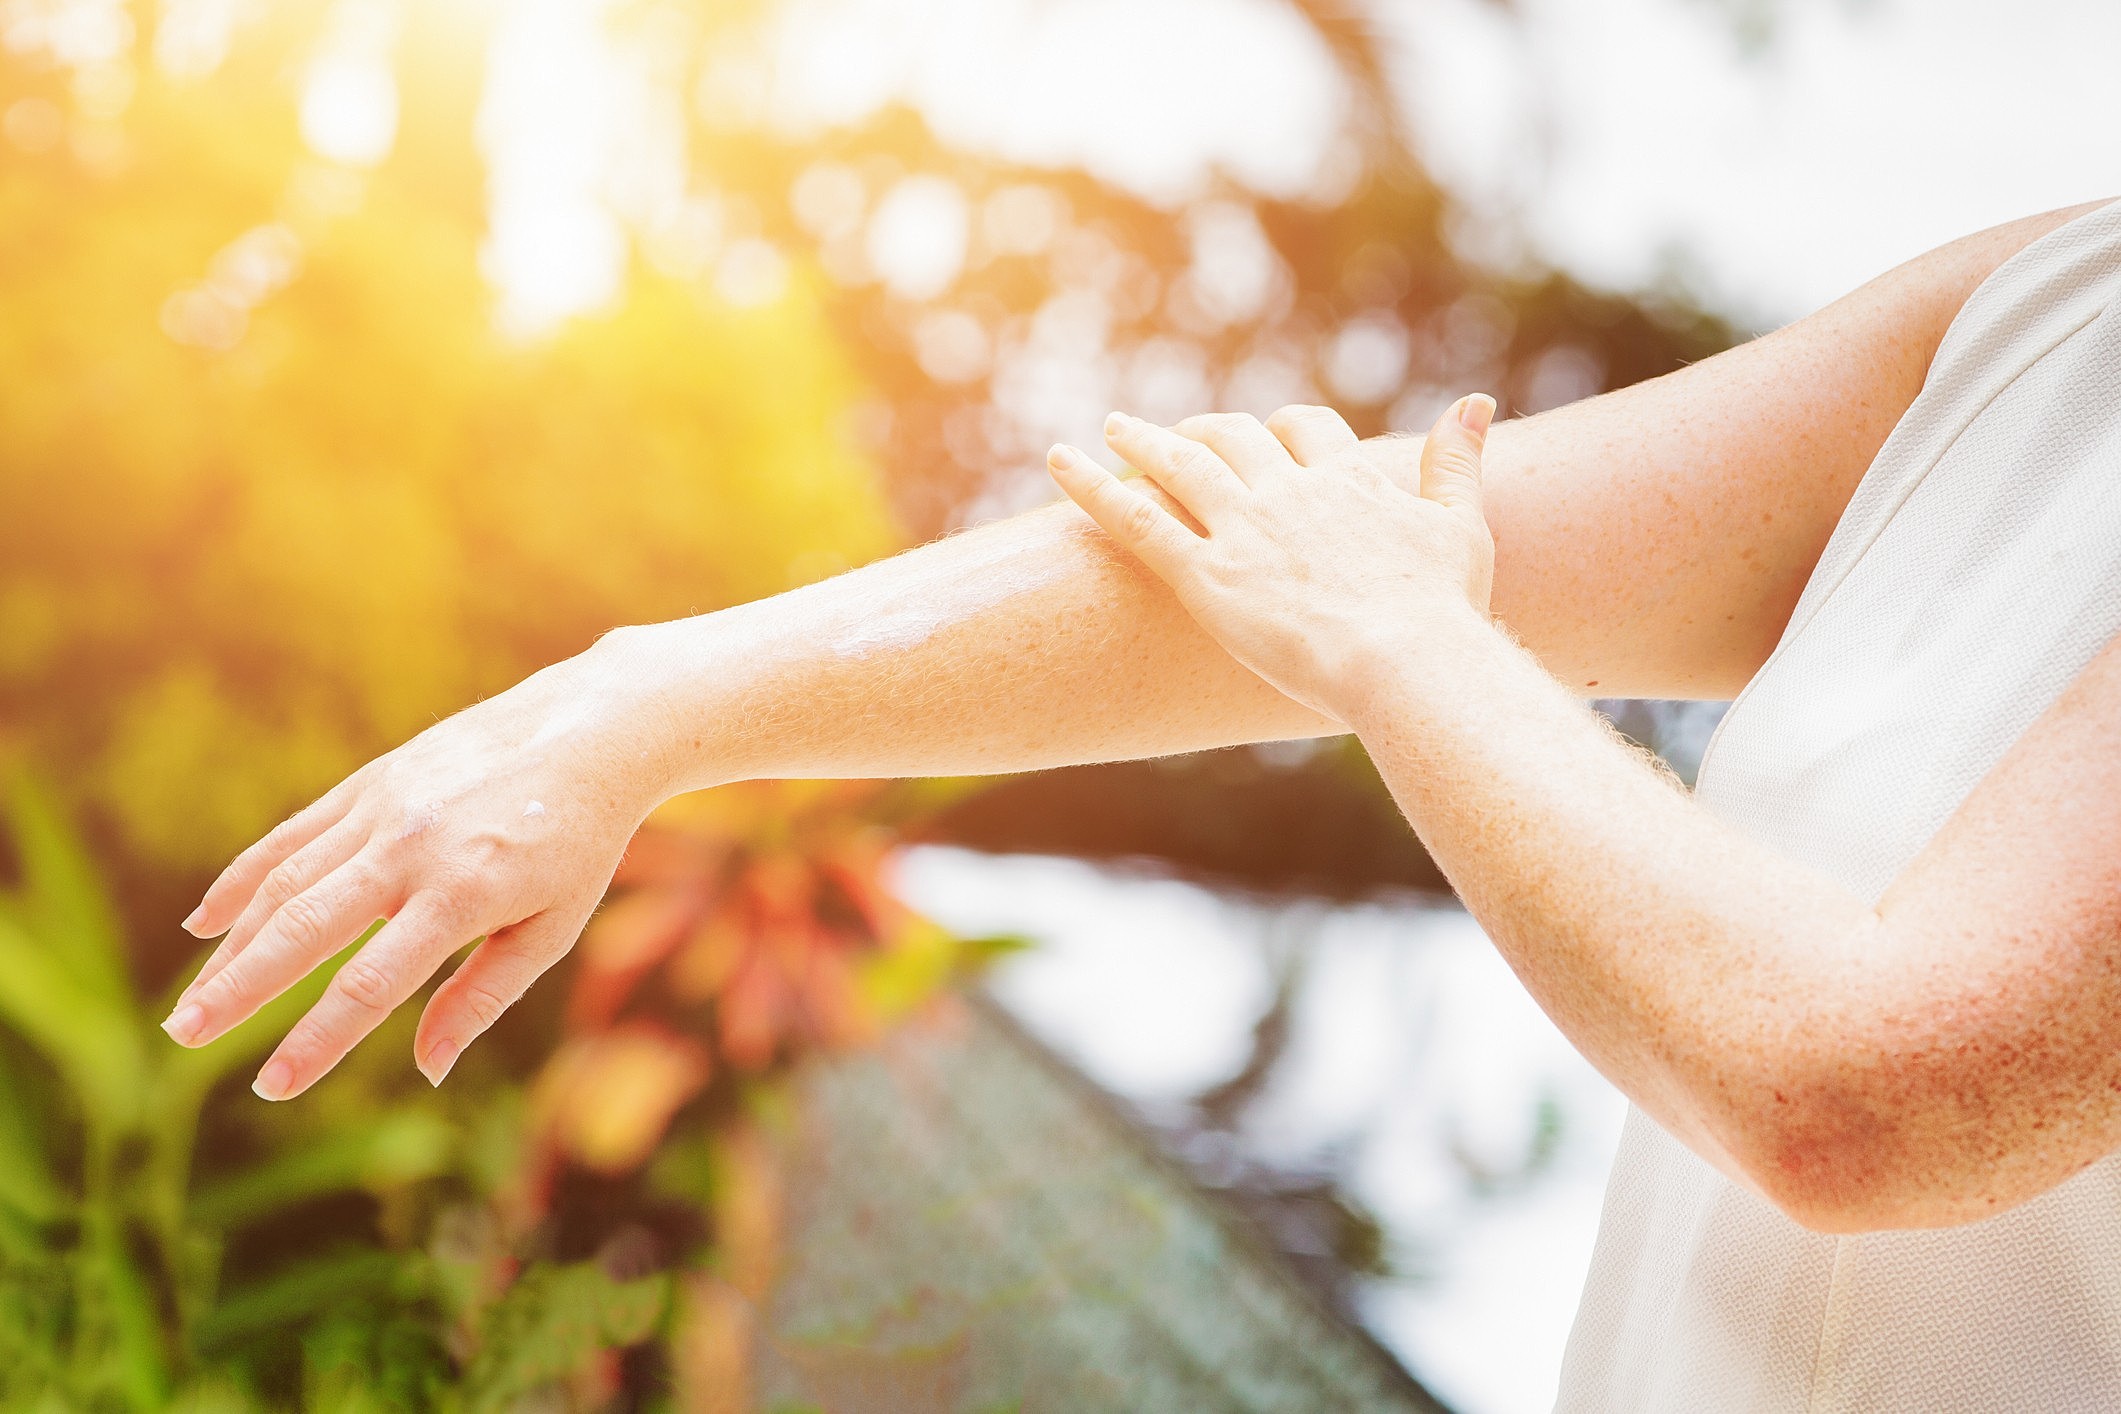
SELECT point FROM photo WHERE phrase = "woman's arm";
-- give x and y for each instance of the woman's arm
(1928, 1061)
(1652, 542)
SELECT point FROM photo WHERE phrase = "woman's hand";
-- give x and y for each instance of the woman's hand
(505, 822)
(1312, 564)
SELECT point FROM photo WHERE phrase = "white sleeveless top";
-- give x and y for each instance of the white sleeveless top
(1975, 572)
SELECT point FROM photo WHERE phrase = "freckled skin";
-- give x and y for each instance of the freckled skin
(1926, 1061)
(1651, 542)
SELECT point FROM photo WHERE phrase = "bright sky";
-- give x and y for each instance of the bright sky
(1622, 131)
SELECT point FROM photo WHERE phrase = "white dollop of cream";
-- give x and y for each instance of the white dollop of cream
(534, 809)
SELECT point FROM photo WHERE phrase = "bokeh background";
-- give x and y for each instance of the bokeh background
(358, 357)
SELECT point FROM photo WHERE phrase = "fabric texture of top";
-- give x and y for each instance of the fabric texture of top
(1975, 572)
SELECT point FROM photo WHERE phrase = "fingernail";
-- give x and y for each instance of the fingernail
(185, 1024)
(438, 1061)
(1116, 423)
(1061, 455)
(274, 1081)
(191, 924)
(1475, 413)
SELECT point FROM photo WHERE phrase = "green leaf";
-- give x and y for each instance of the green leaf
(94, 1044)
(374, 1358)
(61, 899)
(975, 953)
(396, 1149)
(211, 1396)
(121, 1332)
(298, 1294)
(28, 1191)
(552, 1322)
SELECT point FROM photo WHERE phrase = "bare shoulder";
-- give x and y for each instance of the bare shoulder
(1652, 542)
(1935, 286)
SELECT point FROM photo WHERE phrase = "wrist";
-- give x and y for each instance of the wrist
(1389, 674)
(657, 684)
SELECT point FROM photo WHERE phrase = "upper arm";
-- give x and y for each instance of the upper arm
(1652, 542)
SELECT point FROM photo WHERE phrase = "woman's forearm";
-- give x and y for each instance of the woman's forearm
(1013, 646)
(1673, 952)
(1930, 1060)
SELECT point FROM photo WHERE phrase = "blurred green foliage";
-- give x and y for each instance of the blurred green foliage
(278, 491)
(118, 1286)
(167, 1242)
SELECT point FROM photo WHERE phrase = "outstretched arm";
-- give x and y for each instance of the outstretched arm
(1650, 543)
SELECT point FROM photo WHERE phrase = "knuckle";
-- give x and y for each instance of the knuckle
(282, 882)
(456, 892)
(483, 1003)
(356, 879)
(1296, 414)
(1195, 460)
(1356, 466)
(1138, 519)
(365, 985)
(302, 921)
(304, 1049)
(480, 851)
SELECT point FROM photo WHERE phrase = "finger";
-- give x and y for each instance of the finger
(1245, 446)
(372, 984)
(306, 931)
(228, 894)
(489, 982)
(1135, 521)
(1195, 477)
(1312, 433)
(286, 879)
(1450, 459)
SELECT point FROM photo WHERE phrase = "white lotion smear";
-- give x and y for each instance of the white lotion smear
(921, 605)
(560, 723)
(422, 819)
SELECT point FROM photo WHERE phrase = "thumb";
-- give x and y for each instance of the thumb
(1450, 459)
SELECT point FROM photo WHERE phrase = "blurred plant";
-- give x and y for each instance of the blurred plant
(279, 492)
(1068, 294)
(167, 1241)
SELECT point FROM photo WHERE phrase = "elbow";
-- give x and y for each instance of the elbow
(1841, 1169)
(1826, 1184)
